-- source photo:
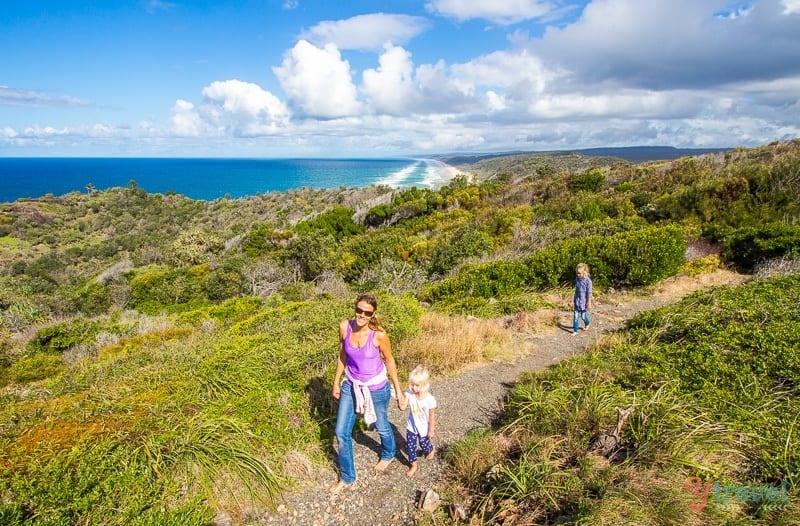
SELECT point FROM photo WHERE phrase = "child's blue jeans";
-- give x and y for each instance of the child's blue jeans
(577, 316)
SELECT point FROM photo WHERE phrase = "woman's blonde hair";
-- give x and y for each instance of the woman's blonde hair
(422, 377)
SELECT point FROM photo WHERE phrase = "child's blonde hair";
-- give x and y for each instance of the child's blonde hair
(582, 268)
(422, 377)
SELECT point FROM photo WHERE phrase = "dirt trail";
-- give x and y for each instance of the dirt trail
(467, 401)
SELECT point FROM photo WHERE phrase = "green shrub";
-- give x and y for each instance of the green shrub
(21, 314)
(194, 247)
(747, 247)
(93, 298)
(300, 291)
(226, 313)
(702, 265)
(256, 242)
(588, 181)
(33, 368)
(488, 280)
(59, 337)
(366, 251)
(223, 284)
(337, 222)
(490, 307)
(167, 286)
(313, 253)
(378, 215)
(467, 241)
(640, 257)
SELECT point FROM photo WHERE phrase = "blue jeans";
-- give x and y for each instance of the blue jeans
(576, 319)
(346, 420)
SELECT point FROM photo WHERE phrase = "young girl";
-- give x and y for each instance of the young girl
(583, 297)
(421, 424)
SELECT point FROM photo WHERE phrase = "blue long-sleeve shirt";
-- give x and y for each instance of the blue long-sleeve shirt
(583, 291)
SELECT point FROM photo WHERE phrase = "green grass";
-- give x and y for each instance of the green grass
(167, 426)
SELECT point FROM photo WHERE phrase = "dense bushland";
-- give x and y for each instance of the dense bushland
(150, 345)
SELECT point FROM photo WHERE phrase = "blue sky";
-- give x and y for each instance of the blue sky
(329, 78)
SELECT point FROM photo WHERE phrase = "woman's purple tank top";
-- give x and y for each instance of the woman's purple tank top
(364, 362)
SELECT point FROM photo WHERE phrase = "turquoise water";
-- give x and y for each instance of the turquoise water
(208, 179)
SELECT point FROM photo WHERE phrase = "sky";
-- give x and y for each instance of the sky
(386, 78)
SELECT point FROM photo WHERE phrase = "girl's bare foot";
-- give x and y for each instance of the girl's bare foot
(430, 455)
(340, 487)
(412, 470)
(382, 465)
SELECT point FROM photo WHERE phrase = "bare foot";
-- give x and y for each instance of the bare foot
(382, 465)
(430, 455)
(412, 470)
(340, 487)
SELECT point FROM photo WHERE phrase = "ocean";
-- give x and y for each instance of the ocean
(209, 179)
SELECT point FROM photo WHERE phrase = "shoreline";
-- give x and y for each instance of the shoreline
(445, 173)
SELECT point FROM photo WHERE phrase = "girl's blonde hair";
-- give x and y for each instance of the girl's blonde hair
(422, 377)
(582, 268)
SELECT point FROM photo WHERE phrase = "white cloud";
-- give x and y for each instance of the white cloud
(666, 44)
(450, 140)
(231, 107)
(505, 69)
(37, 99)
(628, 104)
(791, 7)
(247, 109)
(45, 131)
(443, 93)
(317, 81)
(511, 79)
(366, 32)
(8, 133)
(397, 88)
(503, 12)
(185, 121)
(390, 88)
(158, 5)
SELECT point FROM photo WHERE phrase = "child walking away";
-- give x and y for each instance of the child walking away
(583, 298)
(421, 424)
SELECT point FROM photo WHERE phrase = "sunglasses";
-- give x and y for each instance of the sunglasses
(365, 313)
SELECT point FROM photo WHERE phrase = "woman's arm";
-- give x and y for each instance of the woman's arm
(382, 342)
(340, 362)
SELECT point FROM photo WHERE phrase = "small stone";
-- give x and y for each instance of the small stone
(429, 501)
(222, 518)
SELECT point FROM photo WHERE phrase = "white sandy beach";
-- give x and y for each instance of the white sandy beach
(440, 174)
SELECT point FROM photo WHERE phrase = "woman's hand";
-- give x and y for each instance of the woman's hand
(402, 402)
(336, 391)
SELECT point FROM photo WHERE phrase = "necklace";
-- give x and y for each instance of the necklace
(356, 339)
